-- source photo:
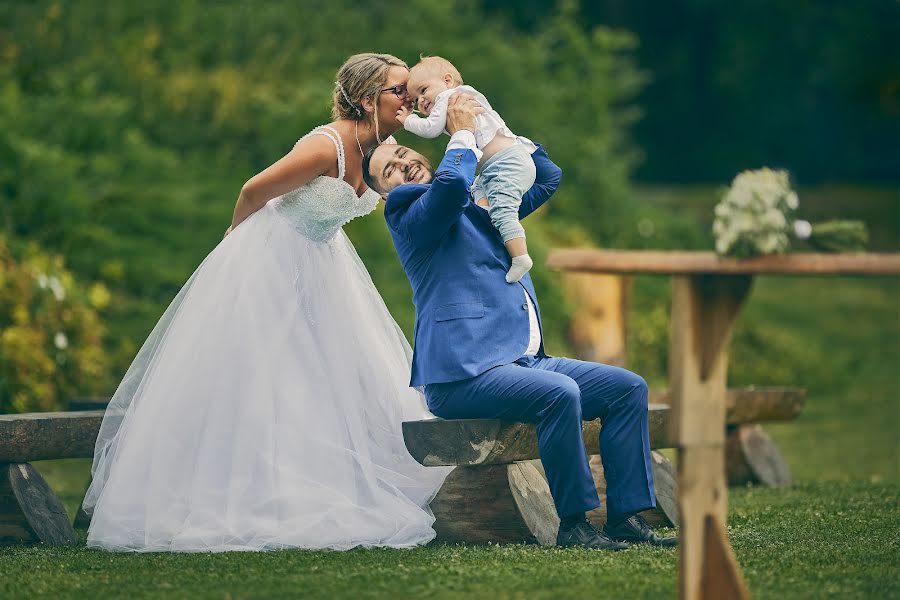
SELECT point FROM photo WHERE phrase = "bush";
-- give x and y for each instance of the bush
(51, 337)
(126, 130)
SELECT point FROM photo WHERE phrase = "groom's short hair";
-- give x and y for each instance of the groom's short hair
(370, 180)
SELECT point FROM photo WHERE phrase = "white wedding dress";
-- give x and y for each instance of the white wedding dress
(264, 411)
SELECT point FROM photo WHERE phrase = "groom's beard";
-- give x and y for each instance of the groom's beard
(419, 172)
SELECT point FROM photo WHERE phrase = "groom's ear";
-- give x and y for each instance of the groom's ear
(370, 180)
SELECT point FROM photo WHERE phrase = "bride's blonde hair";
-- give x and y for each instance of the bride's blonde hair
(362, 76)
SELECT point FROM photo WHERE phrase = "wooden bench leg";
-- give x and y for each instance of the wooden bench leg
(499, 503)
(29, 510)
(665, 481)
(752, 457)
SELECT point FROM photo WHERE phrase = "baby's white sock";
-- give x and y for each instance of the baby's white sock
(520, 266)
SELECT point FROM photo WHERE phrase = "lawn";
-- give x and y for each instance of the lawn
(834, 534)
(816, 540)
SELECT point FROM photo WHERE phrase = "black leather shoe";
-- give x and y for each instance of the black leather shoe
(584, 534)
(635, 530)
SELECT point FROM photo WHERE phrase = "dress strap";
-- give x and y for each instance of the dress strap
(332, 134)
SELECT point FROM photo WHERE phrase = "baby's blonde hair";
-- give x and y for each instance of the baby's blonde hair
(437, 65)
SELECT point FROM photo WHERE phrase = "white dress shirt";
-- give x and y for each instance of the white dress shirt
(487, 125)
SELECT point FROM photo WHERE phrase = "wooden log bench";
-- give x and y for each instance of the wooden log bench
(498, 493)
(29, 510)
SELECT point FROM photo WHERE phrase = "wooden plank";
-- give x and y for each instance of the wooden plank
(693, 263)
(439, 442)
(753, 404)
(40, 436)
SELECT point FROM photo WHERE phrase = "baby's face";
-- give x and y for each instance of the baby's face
(423, 88)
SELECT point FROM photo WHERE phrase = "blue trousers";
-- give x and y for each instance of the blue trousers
(503, 180)
(557, 394)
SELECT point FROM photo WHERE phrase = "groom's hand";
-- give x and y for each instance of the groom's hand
(461, 112)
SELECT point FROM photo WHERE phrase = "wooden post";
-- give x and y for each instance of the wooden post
(600, 304)
(704, 308)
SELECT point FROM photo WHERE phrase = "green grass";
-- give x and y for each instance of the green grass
(817, 540)
(832, 535)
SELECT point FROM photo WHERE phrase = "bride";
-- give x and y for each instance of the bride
(264, 410)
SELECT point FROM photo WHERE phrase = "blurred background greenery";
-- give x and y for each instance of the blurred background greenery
(127, 130)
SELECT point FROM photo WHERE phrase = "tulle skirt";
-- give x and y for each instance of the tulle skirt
(264, 410)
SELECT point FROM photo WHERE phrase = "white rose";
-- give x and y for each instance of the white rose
(60, 340)
(792, 200)
(802, 229)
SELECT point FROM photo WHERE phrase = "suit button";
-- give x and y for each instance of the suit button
(524, 307)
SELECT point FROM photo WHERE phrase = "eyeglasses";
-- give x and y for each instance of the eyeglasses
(397, 90)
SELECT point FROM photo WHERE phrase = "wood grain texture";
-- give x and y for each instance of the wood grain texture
(669, 262)
(41, 436)
(437, 442)
(29, 510)
(598, 325)
(703, 312)
(532, 496)
(721, 575)
(475, 505)
(665, 483)
(752, 457)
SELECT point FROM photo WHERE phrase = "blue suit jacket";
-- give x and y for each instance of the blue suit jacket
(468, 319)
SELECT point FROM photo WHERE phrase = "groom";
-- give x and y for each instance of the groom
(478, 343)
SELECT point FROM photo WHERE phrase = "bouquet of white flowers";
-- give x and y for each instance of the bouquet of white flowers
(755, 216)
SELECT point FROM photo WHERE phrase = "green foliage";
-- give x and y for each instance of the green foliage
(811, 87)
(127, 130)
(50, 332)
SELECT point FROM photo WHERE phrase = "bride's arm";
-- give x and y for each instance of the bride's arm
(309, 158)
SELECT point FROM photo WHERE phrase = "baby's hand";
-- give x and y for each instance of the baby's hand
(403, 113)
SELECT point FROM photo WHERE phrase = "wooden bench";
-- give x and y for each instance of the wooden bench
(29, 510)
(498, 493)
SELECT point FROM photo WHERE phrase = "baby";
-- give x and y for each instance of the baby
(507, 171)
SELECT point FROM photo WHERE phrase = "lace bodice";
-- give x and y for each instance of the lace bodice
(319, 208)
